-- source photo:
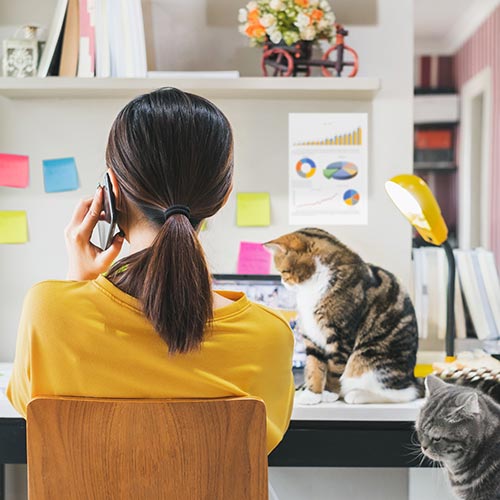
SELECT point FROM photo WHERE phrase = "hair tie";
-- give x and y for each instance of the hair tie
(177, 209)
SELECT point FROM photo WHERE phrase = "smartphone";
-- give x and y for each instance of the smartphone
(107, 227)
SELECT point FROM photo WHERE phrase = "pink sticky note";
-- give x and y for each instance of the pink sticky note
(14, 170)
(253, 259)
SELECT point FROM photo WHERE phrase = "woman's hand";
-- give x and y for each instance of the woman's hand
(86, 261)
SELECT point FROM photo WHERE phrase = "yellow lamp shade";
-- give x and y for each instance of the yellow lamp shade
(416, 202)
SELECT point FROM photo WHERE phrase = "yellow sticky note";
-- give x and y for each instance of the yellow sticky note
(253, 209)
(13, 226)
(204, 225)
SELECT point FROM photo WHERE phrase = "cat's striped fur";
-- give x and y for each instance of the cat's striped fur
(460, 427)
(359, 324)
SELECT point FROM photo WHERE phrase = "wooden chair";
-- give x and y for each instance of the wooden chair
(146, 449)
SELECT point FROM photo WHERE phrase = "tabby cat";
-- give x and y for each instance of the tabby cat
(359, 324)
(460, 427)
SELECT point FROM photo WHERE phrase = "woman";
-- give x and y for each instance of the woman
(153, 327)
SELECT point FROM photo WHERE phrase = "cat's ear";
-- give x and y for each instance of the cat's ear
(433, 384)
(274, 247)
(470, 404)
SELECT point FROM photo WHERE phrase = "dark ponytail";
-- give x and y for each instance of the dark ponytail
(171, 148)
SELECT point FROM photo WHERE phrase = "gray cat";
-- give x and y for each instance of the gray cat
(460, 427)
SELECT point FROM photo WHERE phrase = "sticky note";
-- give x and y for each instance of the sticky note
(253, 258)
(13, 226)
(203, 225)
(60, 175)
(253, 209)
(14, 170)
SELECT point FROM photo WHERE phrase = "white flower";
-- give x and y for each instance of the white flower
(242, 15)
(325, 5)
(313, 3)
(242, 28)
(252, 6)
(267, 20)
(323, 24)
(302, 21)
(272, 29)
(275, 37)
(277, 4)
(308, 33)
(330, 17)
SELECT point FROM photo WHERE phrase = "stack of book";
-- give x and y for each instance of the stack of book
(88, 38)
(477, 293)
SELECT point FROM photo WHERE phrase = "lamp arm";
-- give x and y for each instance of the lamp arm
(450, 303)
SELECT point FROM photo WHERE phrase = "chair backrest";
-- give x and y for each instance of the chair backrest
(150, 449)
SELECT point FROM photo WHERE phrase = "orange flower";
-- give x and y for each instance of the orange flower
(253, 16)
(302, 3)
(255, 30)
(316, 15)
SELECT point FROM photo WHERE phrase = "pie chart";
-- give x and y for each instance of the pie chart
(341, 170)
(306, 168)
(351, 197)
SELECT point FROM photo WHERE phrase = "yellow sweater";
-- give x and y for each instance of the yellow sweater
(88, 338)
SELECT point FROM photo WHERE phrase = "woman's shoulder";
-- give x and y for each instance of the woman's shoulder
(267, 320)
(52, 294)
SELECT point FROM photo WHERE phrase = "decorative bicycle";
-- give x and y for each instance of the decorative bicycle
(291, 60)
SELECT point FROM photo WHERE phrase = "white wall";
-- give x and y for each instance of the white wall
(48, 128)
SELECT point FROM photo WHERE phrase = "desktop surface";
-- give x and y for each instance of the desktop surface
(337, 411)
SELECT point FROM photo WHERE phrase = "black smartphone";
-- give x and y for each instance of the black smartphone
(107, 226)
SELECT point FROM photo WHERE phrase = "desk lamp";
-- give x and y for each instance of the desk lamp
(416, 202)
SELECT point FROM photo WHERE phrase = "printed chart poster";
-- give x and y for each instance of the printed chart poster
(328, 171)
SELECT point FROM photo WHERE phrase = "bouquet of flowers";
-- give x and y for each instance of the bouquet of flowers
(287, 20)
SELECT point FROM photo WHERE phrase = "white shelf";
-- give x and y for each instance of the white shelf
(238, 88)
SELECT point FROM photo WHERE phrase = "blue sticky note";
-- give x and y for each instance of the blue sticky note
(60, 175)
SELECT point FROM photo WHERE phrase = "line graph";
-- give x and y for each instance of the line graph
(317, 202)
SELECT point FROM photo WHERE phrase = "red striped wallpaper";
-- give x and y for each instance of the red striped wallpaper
(481, 50)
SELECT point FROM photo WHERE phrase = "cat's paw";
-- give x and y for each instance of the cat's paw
(357, 397)
(329, 397)
(307, 397)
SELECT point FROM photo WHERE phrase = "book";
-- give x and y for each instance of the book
(460, 323)
(126, 39)
(442, 292)
(421, 299)
(102, 51)
(138, 39)
(71, 38)
(469, 284)
(487, 266)
(86, 54)
(431, 292)
(114, 33)
(53, 39)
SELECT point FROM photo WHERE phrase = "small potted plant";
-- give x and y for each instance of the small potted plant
(287, 24)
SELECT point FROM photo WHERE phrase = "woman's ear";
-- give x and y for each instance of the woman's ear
(116, 189)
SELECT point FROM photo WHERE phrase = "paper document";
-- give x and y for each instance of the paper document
(328, 168)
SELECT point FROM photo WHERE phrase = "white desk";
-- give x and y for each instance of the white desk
(6, 409)
(339, 411)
